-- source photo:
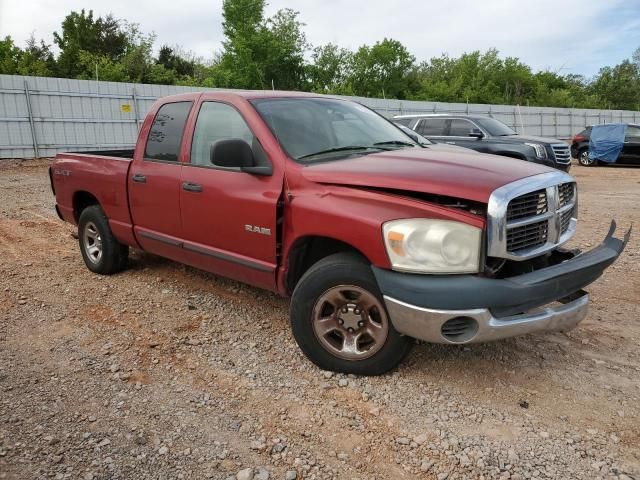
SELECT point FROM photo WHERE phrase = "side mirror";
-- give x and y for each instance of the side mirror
(236, 153)
(476, 133)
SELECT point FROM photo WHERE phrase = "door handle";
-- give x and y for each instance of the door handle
(139, 178)
(192, 187)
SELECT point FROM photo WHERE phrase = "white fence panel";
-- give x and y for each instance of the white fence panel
(43, 116)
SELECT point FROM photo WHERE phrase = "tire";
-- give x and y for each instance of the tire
(584, 160)
(339, 320)
(101, 251)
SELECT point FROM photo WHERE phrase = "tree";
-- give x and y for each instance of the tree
(285, 47)
(259, 52)
(619, 87)
(174, 58)
(80, 32)
(9, 56)
(330, 70)
(243, 27)
(383, 70)
(36, 59)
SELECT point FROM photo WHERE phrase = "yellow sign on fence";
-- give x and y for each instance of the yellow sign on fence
(125, 108)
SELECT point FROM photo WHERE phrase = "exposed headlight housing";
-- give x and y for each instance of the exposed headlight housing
(433, 246)
(541, 152)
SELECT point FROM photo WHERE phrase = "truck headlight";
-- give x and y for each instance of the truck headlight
(541, 152)
(432, 246)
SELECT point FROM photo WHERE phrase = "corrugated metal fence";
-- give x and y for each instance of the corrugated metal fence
(40, 117)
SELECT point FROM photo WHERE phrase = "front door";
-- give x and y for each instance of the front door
(459, 130)
(154, 183)
(229, 216)
(631, 148)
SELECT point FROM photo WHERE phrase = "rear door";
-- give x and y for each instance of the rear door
(154, 182)
(229, 216)
(631, 149)
(435, 128)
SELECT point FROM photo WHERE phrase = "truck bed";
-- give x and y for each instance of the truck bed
(79, 177)
(117, 153)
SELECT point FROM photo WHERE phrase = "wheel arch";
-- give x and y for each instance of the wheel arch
(307, 251)
(81, 200)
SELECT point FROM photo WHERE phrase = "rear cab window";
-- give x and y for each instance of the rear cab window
(165, 136)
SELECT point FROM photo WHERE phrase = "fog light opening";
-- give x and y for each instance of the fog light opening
(459, 329)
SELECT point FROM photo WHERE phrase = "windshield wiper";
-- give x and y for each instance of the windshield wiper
(395, 142)
(340, 149)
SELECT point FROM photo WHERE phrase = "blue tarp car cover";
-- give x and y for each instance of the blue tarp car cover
(606, 142)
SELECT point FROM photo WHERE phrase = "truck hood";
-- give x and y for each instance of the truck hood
(461, 174)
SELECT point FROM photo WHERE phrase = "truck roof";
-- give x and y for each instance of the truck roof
(437, 115)
(247, 94)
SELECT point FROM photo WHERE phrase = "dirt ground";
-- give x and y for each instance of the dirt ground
(166, 372)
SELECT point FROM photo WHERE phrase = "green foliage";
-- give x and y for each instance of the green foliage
(9, 56)
(382, 70)
(619, 86)
(331, 70)
(260, 52)
(103, 37)
(36, 59)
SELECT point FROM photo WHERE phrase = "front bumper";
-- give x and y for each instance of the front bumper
(470, 308)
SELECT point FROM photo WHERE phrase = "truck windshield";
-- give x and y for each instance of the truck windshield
(494, 127)
(322, 129)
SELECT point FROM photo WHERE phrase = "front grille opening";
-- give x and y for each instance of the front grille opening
(459, 329)
(527, 236)
(528, 205)
(565, 220)
(566, 192)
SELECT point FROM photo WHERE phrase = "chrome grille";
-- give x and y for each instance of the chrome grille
(534, 203)
(562, 153)
(565, 193)
(565, 220)
(531, 216)
(527, 236)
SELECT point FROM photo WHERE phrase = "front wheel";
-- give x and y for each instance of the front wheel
(339, 320)
(584, 159)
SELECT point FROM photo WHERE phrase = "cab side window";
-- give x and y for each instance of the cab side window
(633, 134)
(432, 127)
(216, 121)
(165, 136)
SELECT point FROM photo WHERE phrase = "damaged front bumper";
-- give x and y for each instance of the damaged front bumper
(470, 308)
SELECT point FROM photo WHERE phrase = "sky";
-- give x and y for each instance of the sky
(564, 36)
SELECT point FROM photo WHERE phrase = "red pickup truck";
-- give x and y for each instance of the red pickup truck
(376, 238)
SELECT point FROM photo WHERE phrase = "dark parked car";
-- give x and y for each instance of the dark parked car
(440, 147)
(488, 135)
(630, 153)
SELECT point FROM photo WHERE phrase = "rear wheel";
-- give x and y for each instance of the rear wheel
(339, 320)
(584, 159)
(101, 251)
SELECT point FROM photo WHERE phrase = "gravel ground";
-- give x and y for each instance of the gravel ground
(166, 372)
